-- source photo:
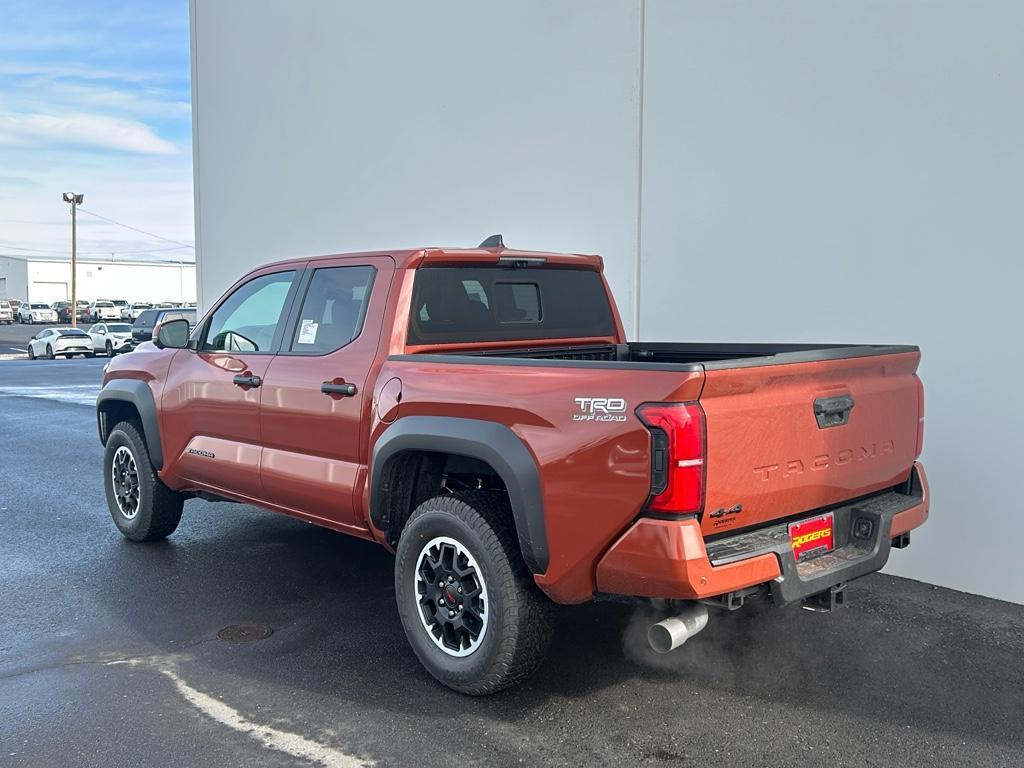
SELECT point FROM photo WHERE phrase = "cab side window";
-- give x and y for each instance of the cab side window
(333, 309)
(247, 320)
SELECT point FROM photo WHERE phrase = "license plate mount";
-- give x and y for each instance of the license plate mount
(812, 537)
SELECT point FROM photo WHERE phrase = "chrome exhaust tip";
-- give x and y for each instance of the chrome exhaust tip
(669, 634)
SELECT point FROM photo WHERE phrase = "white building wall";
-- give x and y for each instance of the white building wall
(809, 171)
(327, 127)
(831, 171)
(15, 274)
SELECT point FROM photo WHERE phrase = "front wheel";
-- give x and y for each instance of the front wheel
(142, 507)
(49, 353)
(468, 604)
(31, 353)
(110, 349)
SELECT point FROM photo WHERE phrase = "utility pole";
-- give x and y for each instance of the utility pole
(75, 200)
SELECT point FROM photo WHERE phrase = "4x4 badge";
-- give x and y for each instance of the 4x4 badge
(734, 510)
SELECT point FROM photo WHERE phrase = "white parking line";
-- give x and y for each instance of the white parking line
(19, 349)
(79, 394)
(282, 741)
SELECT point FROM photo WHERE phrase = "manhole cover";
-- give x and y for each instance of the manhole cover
(243, 633)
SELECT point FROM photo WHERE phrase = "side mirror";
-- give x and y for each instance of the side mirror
(172, 334)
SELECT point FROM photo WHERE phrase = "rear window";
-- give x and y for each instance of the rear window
(147, 319)
(72, 332)
(468, 304)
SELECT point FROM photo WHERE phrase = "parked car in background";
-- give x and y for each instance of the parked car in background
(111, 338)
(103, 310)
(142, 329)
(121, 304)
(6, 313)
(63, 310)
(36, 313)
(164, 305)
(15, 306)
(50, 343)
(81, 312)
(132, 311)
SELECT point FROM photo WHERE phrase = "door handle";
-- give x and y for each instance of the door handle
(332, 389)
(247, 380)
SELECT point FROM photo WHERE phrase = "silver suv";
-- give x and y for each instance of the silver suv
(6, 313)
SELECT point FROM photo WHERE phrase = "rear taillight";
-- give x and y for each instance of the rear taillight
(920, 417)
(677, 456)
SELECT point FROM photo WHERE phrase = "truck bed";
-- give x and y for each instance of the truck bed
(790, 428)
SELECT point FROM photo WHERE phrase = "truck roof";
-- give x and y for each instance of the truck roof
(413, 258)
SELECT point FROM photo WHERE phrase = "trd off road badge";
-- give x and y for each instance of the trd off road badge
(599, 409)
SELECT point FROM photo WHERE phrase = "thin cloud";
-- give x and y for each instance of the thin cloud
(82, 130)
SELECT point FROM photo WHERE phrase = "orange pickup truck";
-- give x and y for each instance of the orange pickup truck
(480, 413)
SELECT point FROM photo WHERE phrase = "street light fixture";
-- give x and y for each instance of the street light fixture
(75, 201)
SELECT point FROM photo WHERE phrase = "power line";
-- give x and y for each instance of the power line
(90, 253)
(136, 229)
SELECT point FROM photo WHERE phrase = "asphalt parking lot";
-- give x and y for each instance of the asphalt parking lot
(109, 654)
(14, 338)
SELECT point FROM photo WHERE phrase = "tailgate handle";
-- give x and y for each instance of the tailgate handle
(833, 411)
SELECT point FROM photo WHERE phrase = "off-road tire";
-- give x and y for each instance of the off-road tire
(159, 508)
(519, 617)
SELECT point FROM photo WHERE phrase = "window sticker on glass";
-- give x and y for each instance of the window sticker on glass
(307, 332)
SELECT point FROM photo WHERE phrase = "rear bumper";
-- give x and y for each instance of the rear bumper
(670, 559)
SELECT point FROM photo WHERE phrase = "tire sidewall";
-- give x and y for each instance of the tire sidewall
(450, 670)
(136, 527)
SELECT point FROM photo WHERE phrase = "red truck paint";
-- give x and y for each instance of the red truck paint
(287, 447)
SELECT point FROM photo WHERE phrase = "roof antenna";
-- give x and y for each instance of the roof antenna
(494, 241)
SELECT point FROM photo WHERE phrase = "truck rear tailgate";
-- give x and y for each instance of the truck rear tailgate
(789, 438)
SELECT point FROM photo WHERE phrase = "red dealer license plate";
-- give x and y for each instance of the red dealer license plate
(811, 537)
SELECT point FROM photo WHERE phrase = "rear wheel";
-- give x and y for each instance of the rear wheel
(468, 604)
(142, 507)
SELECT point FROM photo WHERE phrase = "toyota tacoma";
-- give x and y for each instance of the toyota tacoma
(480, 413)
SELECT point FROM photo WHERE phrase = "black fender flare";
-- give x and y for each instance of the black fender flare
(487, 441)
(138, 394)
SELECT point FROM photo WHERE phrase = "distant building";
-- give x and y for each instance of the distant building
(48, 280)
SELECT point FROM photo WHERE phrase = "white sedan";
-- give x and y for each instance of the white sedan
(51, 342)
(110, 338)
(36, 313)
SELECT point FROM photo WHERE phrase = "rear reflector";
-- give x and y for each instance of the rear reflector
(920, 417)
(677, 456)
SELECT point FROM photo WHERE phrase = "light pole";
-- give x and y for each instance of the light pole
(75, 200)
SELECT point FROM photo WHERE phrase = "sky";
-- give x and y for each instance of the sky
(95, 99)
